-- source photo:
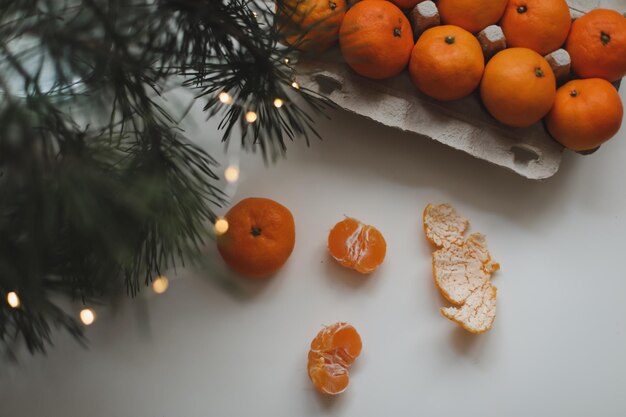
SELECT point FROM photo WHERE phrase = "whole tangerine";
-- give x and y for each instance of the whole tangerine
(518, 87)
(310, 25)
(376, 39)
(586, 113)
(447, 63)
(597, 45)
(260, 237)
(406, 4)
(541, 25)
(471, 15)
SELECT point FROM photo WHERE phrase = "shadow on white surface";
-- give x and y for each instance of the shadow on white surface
(340, 275)
(469, 345)
(362, 148)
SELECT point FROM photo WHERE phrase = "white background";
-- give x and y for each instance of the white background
(217, 345)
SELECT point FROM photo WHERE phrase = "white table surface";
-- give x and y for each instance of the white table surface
(206, 348)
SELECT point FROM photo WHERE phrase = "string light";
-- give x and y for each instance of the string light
(225, 98)
(278, 103)
(286, 60)
(87, 316)
(251, 117)
(295, 85)
(13, 299)
(231, 173)
(221, 226)
(160, 284)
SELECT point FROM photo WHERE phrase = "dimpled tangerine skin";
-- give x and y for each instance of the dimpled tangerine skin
(447, 63)
(260, 237)
(594, 55)
(541, 25)
(471, 15)
(518, 87)
(586, 113)
(376, 39)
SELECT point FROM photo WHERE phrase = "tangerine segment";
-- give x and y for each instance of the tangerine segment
(328, 378)
(443, 225)
(356, 245)
(341, 339)
(332, 352)
(478, 312)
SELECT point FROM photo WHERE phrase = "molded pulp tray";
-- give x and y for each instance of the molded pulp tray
(462, 124)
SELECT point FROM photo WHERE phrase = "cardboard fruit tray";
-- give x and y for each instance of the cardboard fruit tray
(463, 124)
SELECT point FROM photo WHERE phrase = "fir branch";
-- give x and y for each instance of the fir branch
(100, 190)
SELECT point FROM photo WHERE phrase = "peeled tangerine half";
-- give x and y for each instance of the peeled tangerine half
(462, 268)
(332, 352)
(356, 245)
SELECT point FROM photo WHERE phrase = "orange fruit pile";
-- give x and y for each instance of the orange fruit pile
(260, 237)
(357, 246)
(332, 352)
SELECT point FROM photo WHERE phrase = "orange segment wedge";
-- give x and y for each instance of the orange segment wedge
(356, 245)
(328, 378)
(332, 352)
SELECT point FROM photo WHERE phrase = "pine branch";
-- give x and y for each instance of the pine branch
(100, 190)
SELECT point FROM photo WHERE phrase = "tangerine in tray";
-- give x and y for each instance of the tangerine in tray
(310, 25)
(541, 25)
(406, 4)
(471, 15)
(586, 113)
(332, 352)
(597, 45)
(376, 39)
(447, 63)
(518, 87)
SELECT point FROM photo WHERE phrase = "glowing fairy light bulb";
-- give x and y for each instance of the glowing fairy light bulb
(221, 226)
(87, 316)
(251, 117)
(225, 98)
(295, 85)
(286, 60)
(13, 299)
(160, 284)
(278, 103)
(231, 173)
